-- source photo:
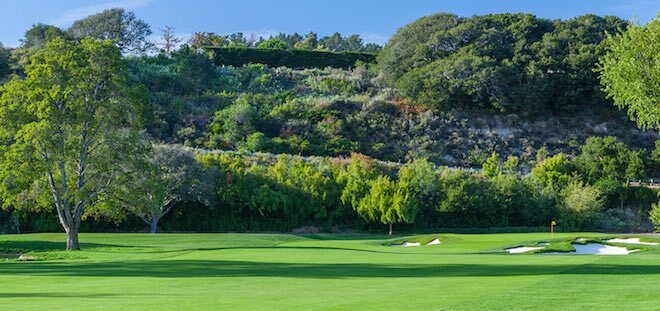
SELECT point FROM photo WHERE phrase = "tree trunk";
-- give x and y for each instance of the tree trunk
(72, 239)
(153, 225)
(390, 232)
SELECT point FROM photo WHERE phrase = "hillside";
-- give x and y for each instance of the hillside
(332, 112)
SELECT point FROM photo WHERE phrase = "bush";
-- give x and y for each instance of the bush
(470, 201)
(580, 204)
(655, 216)
(236, 56)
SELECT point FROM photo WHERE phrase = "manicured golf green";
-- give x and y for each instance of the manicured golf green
(326, 272)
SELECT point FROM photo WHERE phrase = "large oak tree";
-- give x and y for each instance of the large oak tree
(67, 126)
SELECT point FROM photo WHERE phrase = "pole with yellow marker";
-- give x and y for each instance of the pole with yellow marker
(552, 229)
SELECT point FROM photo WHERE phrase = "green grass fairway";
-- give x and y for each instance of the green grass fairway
(326, 272)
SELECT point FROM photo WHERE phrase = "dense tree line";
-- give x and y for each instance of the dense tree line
(333, 43)
(501, 62)
(257, 192)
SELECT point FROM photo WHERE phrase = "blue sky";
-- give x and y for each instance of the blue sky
(375, 20)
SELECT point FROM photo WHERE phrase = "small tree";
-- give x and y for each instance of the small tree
(169, 40)
(510, 166)
(422, 183)
(66, 128)
(492, 165)
(580, 203)
(169, 175)
(387, 203)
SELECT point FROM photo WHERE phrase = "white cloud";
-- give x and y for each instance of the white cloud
(76, 14)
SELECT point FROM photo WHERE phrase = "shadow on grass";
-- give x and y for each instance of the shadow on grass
(342, 237)
(21, 246)
(207, 268)
(54, 295)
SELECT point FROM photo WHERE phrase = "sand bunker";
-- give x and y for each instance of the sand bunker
(597, 249)
(522, 249)
(434, 242)
(630, 241)
(27, 258)
(406, 244)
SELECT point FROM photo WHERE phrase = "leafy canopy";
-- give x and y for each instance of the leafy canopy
(66, 127)
(128, 32)
(630, 72)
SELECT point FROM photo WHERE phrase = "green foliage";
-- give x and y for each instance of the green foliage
(491, 167)
(580, 203)
(630, 72)
(67, 126)
(554, 172)
(123, 28)
(280, 195)
(289, 58)
(231, 125)
(608, 158)
(470, 201)
(387, 203)
(205, 39)
(273, 44)
(422, 184)
(655, 216)
(5, 64)
(501, 62)
(510, 166)
(40, 34)
(167, 176)
(357, 179)
(310, 42)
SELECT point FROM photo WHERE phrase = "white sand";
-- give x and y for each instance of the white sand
(600, 249)
(406, 244)
(522, 249)
(434, 242)
(630, 241)
(580, 240)
(597, 249)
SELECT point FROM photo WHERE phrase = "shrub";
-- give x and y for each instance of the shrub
(580, 204)
(655, 216)
(236, 56)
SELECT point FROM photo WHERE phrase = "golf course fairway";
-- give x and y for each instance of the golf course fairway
(320, 272)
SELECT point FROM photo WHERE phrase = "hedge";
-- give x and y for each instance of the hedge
(236, 56)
